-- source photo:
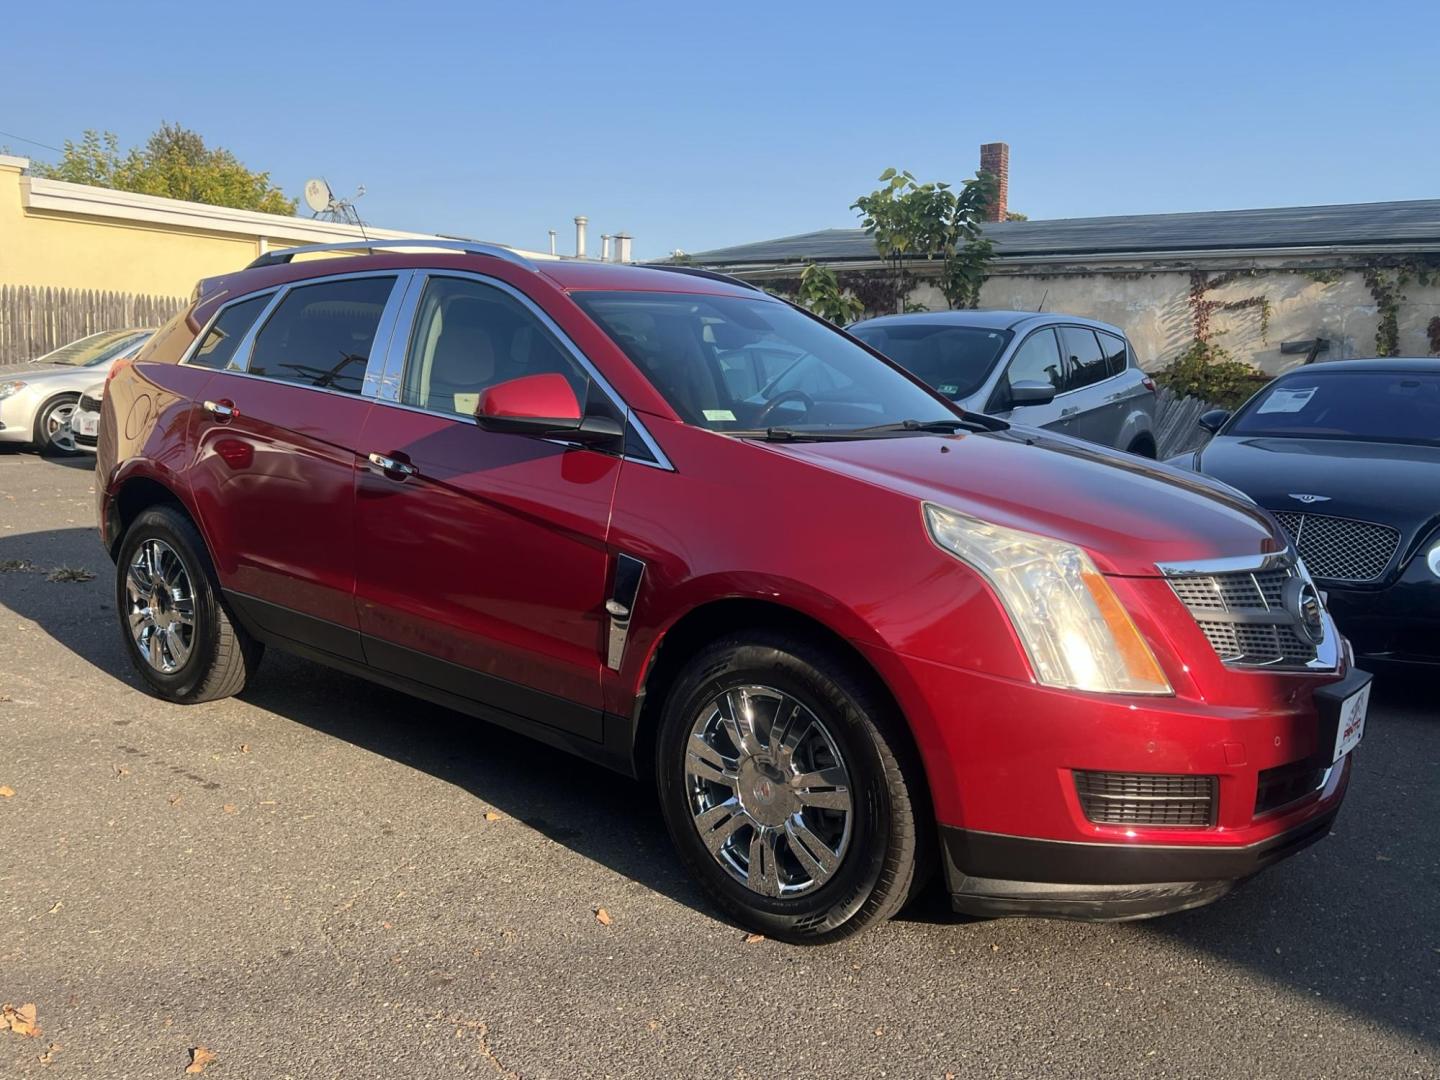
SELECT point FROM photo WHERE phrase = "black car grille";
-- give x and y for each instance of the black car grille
(1341, 549)
(1147, 799)
(86, 440)
(1243, 615)
(89, 404)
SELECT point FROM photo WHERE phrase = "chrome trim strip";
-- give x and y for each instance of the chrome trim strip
(380, 345)
(1238, 564)
(393, 369)
(624, 591)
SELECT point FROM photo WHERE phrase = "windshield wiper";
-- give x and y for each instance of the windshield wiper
(945, 426)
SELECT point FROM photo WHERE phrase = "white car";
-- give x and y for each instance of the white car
(37, 398)
(84, 422)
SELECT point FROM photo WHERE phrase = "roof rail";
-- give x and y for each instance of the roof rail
(465, 247)
(695, 271)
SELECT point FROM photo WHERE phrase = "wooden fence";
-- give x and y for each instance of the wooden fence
(1176, 423)
(34, 319)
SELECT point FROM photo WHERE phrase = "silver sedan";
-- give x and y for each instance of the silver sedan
(38, 398)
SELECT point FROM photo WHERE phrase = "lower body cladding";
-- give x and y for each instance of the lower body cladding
(1098, 807)
(1397, 624)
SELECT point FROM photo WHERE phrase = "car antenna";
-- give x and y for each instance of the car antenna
(1043, 296)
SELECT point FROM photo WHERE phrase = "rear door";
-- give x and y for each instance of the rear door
(482, 560)
(276, 436)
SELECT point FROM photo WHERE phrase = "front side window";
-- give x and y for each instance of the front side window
(742, 364)
(1037, 360)
(469, 336)
(320, 335)
(226, 333)
(1374, 406)
(1085, 363)
(955, 360)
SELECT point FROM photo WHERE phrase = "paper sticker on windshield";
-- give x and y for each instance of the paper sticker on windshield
(949, 388)
(719, 414)
(1287, 399)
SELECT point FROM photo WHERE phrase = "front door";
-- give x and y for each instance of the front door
(1037, 360)
(274, 476)
(482, 557)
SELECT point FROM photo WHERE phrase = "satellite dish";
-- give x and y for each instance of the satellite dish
(317, 195)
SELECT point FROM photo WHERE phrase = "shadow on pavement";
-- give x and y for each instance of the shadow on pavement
(1354, 920)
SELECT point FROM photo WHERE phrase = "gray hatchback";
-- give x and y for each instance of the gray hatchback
(1072, 375)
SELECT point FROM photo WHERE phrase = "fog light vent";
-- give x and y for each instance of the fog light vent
(1149, 799)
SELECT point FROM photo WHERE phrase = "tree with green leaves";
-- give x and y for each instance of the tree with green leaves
(175, 163)
(821, 294)
(909, 220)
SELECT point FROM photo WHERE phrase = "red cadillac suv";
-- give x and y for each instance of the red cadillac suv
(663, 520)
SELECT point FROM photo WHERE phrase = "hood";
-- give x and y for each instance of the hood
(1127, 512)
(51, 372)
(1392, 483)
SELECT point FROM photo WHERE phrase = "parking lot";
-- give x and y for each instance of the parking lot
(324, 878)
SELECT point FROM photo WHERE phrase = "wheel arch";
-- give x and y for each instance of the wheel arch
(716, 618)
(44, 407)
(132, 497)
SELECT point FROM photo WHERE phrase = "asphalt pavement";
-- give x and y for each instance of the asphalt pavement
(324, 878)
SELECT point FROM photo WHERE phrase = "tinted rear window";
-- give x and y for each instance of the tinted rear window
(218, 348)
(1376, 406)
(955, 360)
(320, 335)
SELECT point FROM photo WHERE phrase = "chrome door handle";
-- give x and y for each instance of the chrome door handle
(393, 467)
(221, 410)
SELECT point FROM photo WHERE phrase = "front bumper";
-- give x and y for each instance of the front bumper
(1399, 623)
(993, 875)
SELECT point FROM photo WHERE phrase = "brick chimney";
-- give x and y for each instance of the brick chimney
(995, 159)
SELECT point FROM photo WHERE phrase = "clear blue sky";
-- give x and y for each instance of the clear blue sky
(698, 126)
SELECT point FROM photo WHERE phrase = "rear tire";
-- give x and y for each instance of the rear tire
(1143, 446)
(175, 626)
(809, 845)
(52, 422)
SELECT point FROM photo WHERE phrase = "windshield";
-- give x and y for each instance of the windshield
(1375, 406)
(738, 364)
(95, 349)
(954, 359)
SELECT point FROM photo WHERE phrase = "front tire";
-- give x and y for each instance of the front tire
(789, 789)
(52, 427)
(176, 629)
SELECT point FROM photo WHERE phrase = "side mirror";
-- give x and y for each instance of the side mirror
(1031, 393)
(542, 405)
(1213, 420)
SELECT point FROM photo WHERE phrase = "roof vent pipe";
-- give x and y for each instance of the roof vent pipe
(580, 222)
(622, 247)
(605, 247)
(552, 242)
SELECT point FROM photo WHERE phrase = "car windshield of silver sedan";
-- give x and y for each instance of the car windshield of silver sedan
(956, 360)
(95, 349)
(1369, 406)
(759, 367)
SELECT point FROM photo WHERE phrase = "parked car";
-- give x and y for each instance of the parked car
(37, 398)
(1346, 455)
(1060, 372)
(850, 630)
(84, 422)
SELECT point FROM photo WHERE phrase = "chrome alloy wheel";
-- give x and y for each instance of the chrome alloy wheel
(769, 792)
(57, 427)
(160, 606)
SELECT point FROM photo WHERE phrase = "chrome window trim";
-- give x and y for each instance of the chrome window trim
(390, 379)
(1237, 564)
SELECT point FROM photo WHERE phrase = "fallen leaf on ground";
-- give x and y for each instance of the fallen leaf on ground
(7, 792)
(229, 808)
(199, 1058)
(65, 575)
(21, 1021)
(49, 1055)
(55, 907)
(603, 917)
(491, 815)
(244, 747)
(174, 800)
(120, 771)
(15, 566)
(752, 939)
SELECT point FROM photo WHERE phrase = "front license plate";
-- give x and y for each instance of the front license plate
(1351, 728)
(86, 423)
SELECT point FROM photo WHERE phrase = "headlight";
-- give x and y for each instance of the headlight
(14, 386)
(1432, 559)
(1074, 628)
